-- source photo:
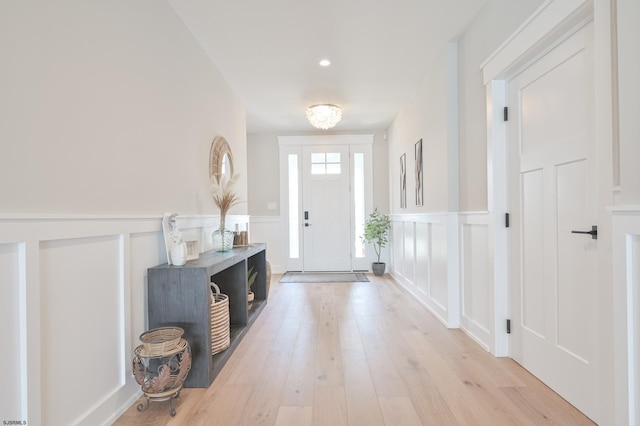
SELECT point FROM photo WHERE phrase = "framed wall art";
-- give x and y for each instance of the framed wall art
(403, 181)
(419, 174)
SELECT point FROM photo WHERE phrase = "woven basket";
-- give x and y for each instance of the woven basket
(268, 277)
(220, 327)
(161, 341)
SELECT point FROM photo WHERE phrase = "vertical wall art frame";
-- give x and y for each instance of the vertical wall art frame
(419, 174)
(403, 181)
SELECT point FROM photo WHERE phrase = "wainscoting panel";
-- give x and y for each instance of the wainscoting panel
(10, 355)
(438, 290)
(626, 299)
(419, 259)
(477, 288)
(423, 257)
(81, 291)
(409, 251)
(426, 265)
(397, 239)
(73, 305)
(633, 321)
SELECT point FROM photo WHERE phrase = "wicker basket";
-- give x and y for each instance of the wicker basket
(220, 327)
(160, 341)
(268, 277)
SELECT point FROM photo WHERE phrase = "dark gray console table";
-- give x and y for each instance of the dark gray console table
(179, 296)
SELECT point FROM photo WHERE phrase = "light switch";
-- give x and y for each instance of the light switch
(272, 206)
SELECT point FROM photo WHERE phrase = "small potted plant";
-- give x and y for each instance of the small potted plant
(376, 230)
(252, 278)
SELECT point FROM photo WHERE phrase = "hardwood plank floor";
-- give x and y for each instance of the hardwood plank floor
(360, 354)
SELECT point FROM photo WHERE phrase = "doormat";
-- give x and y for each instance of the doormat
(323, 277)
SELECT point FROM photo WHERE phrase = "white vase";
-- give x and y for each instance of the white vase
(179, 253)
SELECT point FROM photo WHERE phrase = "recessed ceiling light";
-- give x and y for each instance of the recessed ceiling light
(325, 63)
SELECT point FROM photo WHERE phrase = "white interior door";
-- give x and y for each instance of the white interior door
(326, 208)
(554, 271)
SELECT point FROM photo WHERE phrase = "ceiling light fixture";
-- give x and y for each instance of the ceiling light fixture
(324, 116)
(325, 63)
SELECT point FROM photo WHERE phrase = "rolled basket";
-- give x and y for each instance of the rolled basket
(220, 325)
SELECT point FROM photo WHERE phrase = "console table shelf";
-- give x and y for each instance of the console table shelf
(179, 296)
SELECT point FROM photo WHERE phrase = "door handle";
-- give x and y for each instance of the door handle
(593, 232)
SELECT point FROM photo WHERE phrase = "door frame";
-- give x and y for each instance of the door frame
(551, 24)
(293, 145)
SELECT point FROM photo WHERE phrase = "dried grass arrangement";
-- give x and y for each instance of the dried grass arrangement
(224, 196)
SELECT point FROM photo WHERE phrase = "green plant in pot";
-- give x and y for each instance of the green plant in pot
(376, 229)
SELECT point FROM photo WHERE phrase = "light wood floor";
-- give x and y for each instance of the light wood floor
(360, 354)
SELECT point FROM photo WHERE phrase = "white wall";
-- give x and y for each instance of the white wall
(494, 24)
(263, 162)
(109, 108)
(423, 117)
(107, 115)
(628, 68)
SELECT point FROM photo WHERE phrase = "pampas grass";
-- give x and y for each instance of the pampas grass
(223, 195)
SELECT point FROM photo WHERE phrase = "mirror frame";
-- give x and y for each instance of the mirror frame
(219, 147)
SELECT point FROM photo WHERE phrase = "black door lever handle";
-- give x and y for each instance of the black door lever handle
(593, 232)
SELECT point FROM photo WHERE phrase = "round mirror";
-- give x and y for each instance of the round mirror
(220, 160)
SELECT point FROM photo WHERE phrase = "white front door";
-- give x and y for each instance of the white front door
(326, 208)
(552, 178)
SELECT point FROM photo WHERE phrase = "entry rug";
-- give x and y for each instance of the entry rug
(323, 277)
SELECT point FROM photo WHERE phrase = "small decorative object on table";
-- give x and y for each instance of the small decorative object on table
(161, 364)
(225, 198)
(178, 250)
(193, 252)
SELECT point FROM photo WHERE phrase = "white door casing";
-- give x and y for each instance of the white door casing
(305, 249)
(552, 175)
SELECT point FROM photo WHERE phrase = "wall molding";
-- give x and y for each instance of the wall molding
(626, 304)
(538, 34)
(441, 260)
(50, 264)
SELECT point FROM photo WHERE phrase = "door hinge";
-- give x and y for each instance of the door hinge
(506, 220)
(505, 114)
(508, 326)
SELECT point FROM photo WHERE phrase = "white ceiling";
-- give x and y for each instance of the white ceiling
(268, 51)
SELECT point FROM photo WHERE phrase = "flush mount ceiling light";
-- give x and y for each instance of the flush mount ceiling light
(324, 116)
(324, 63)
